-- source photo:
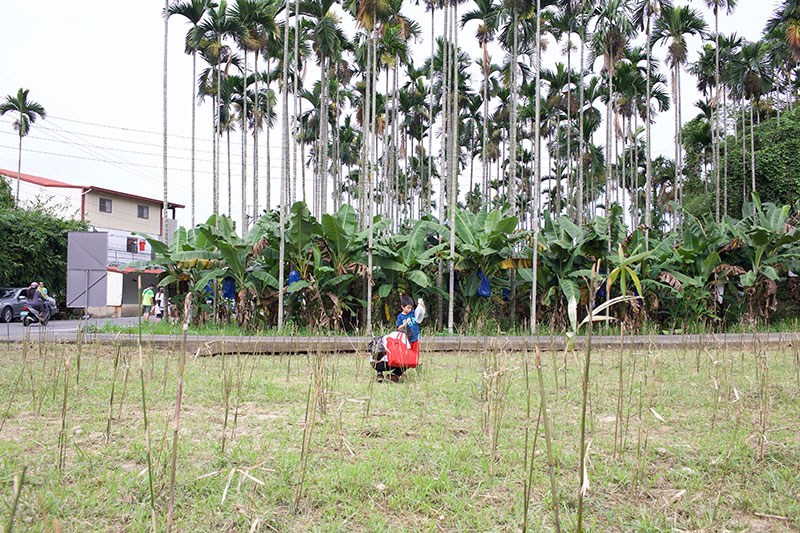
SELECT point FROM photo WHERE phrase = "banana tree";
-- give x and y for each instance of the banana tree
(561, 257)
(341, 248)
(402, 262)
(768, 245)
(483, 241)
(691, 271)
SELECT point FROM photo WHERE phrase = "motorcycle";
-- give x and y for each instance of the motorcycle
(30, 315)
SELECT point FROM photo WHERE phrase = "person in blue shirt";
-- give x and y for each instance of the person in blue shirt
(406, 321)
(393, 345)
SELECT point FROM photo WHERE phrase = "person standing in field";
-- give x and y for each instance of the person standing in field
(160, 308)
(147, 300)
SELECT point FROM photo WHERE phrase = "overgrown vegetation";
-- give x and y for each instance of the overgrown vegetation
(33, 247)
(712, 275)
(708, 440)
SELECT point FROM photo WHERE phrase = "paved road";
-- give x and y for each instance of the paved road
(56, 329)
(66, 331)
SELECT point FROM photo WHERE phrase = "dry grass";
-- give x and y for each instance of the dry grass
(422, 459)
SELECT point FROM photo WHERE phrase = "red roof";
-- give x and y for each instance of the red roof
(37, 180)
(47, 182)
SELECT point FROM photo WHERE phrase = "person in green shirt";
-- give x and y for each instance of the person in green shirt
(147, 300)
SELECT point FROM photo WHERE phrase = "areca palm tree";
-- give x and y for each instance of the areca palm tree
(728, 48)
(251, 37)
(786, 20)
(218, 26)
(327, 41)
(193, 11)
(643, 17)
(368, 14)
(27, 112)
(748, 72)
(716, 5)
(613, 28)
(488, 14)
(673, 27)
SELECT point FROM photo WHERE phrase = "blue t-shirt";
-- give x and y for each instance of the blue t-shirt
(412, 329)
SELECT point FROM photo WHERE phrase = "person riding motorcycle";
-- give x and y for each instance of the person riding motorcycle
(38, 301)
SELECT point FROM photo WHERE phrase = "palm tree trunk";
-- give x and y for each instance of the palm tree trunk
(744, 151)
(443, 154)
(285, 169)
(165, 205)
(512, 156)
(371, 70)
(570, 208)
(218, 129)
(581, 142)
(715, 138)
(430, 118)
(752, 150)
(675, 97)
(512, 175)
(455, 148)
(230, 175)
(725, 148)
(214, 151)
(19, 169)
(244, 147)
(485, 135)
(323, 139)
(538, 148)
(648, 201)
(298, 111)
(256, 125)
(267, 127)
(194, 121)
(680, 132)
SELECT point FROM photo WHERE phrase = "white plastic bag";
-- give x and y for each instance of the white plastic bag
(419, 312)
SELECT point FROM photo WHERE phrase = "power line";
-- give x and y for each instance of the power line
(71, 156)
(234, 143)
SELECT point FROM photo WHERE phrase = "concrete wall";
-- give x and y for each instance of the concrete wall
(124, 213)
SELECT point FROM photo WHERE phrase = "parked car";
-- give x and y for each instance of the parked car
(12, 300)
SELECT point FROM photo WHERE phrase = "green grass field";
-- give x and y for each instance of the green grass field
(708, 441)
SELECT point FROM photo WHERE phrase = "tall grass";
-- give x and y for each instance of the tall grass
(18, 482)
(176, 426)
(147, 442)
(548, 437)
(308, 430)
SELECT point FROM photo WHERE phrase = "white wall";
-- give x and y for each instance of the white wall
(62, 201)
(114, 288)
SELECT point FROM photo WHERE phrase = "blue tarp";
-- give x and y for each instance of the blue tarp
(484, 288)
(229, 288)
(294, 275)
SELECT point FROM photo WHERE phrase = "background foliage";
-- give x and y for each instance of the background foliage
(33, 246)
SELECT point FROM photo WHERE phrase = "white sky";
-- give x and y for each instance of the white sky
(96, 67)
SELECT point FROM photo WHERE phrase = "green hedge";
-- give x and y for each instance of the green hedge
(33, 246)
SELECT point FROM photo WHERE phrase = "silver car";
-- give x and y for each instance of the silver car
(12, 300)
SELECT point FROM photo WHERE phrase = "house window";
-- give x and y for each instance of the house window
(133, 245)
(105, 205)
(143, 211)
